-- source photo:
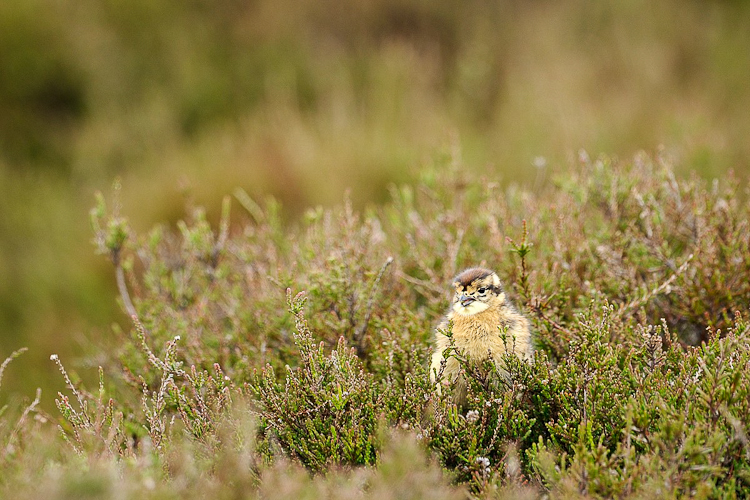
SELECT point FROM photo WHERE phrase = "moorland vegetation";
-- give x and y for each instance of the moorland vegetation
(269, 360)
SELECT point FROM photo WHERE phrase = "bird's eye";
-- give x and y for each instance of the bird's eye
(482, 290)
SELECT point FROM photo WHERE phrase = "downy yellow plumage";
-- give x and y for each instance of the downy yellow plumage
(480, 312)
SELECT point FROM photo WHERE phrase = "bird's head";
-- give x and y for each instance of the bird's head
(475, 290)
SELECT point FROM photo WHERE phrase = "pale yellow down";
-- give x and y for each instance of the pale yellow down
(478, 330)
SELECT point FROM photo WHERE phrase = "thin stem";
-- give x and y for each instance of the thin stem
(359, 336)
(122, 287)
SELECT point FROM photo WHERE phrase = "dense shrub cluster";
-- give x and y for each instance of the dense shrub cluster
(270, 360)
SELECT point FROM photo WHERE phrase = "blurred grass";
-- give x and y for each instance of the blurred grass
(186, 100)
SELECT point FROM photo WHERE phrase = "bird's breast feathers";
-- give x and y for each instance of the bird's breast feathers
(477, 334)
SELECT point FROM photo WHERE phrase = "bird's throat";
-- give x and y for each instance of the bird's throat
(475, 307)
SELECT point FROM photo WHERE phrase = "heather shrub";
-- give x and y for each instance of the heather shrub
(685, 432)
(273, 357)
(17, 422)
(323, 413)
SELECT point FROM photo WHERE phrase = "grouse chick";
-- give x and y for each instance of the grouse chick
(480, 312)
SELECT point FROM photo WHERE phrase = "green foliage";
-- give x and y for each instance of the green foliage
(684, 433)
(324, 412)
(215, 390)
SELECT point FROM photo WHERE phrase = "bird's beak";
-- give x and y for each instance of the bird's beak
(465, 300)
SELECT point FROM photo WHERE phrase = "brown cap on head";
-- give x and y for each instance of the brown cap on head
(469, 275)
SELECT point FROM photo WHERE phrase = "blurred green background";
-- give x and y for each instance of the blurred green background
(188, 99)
